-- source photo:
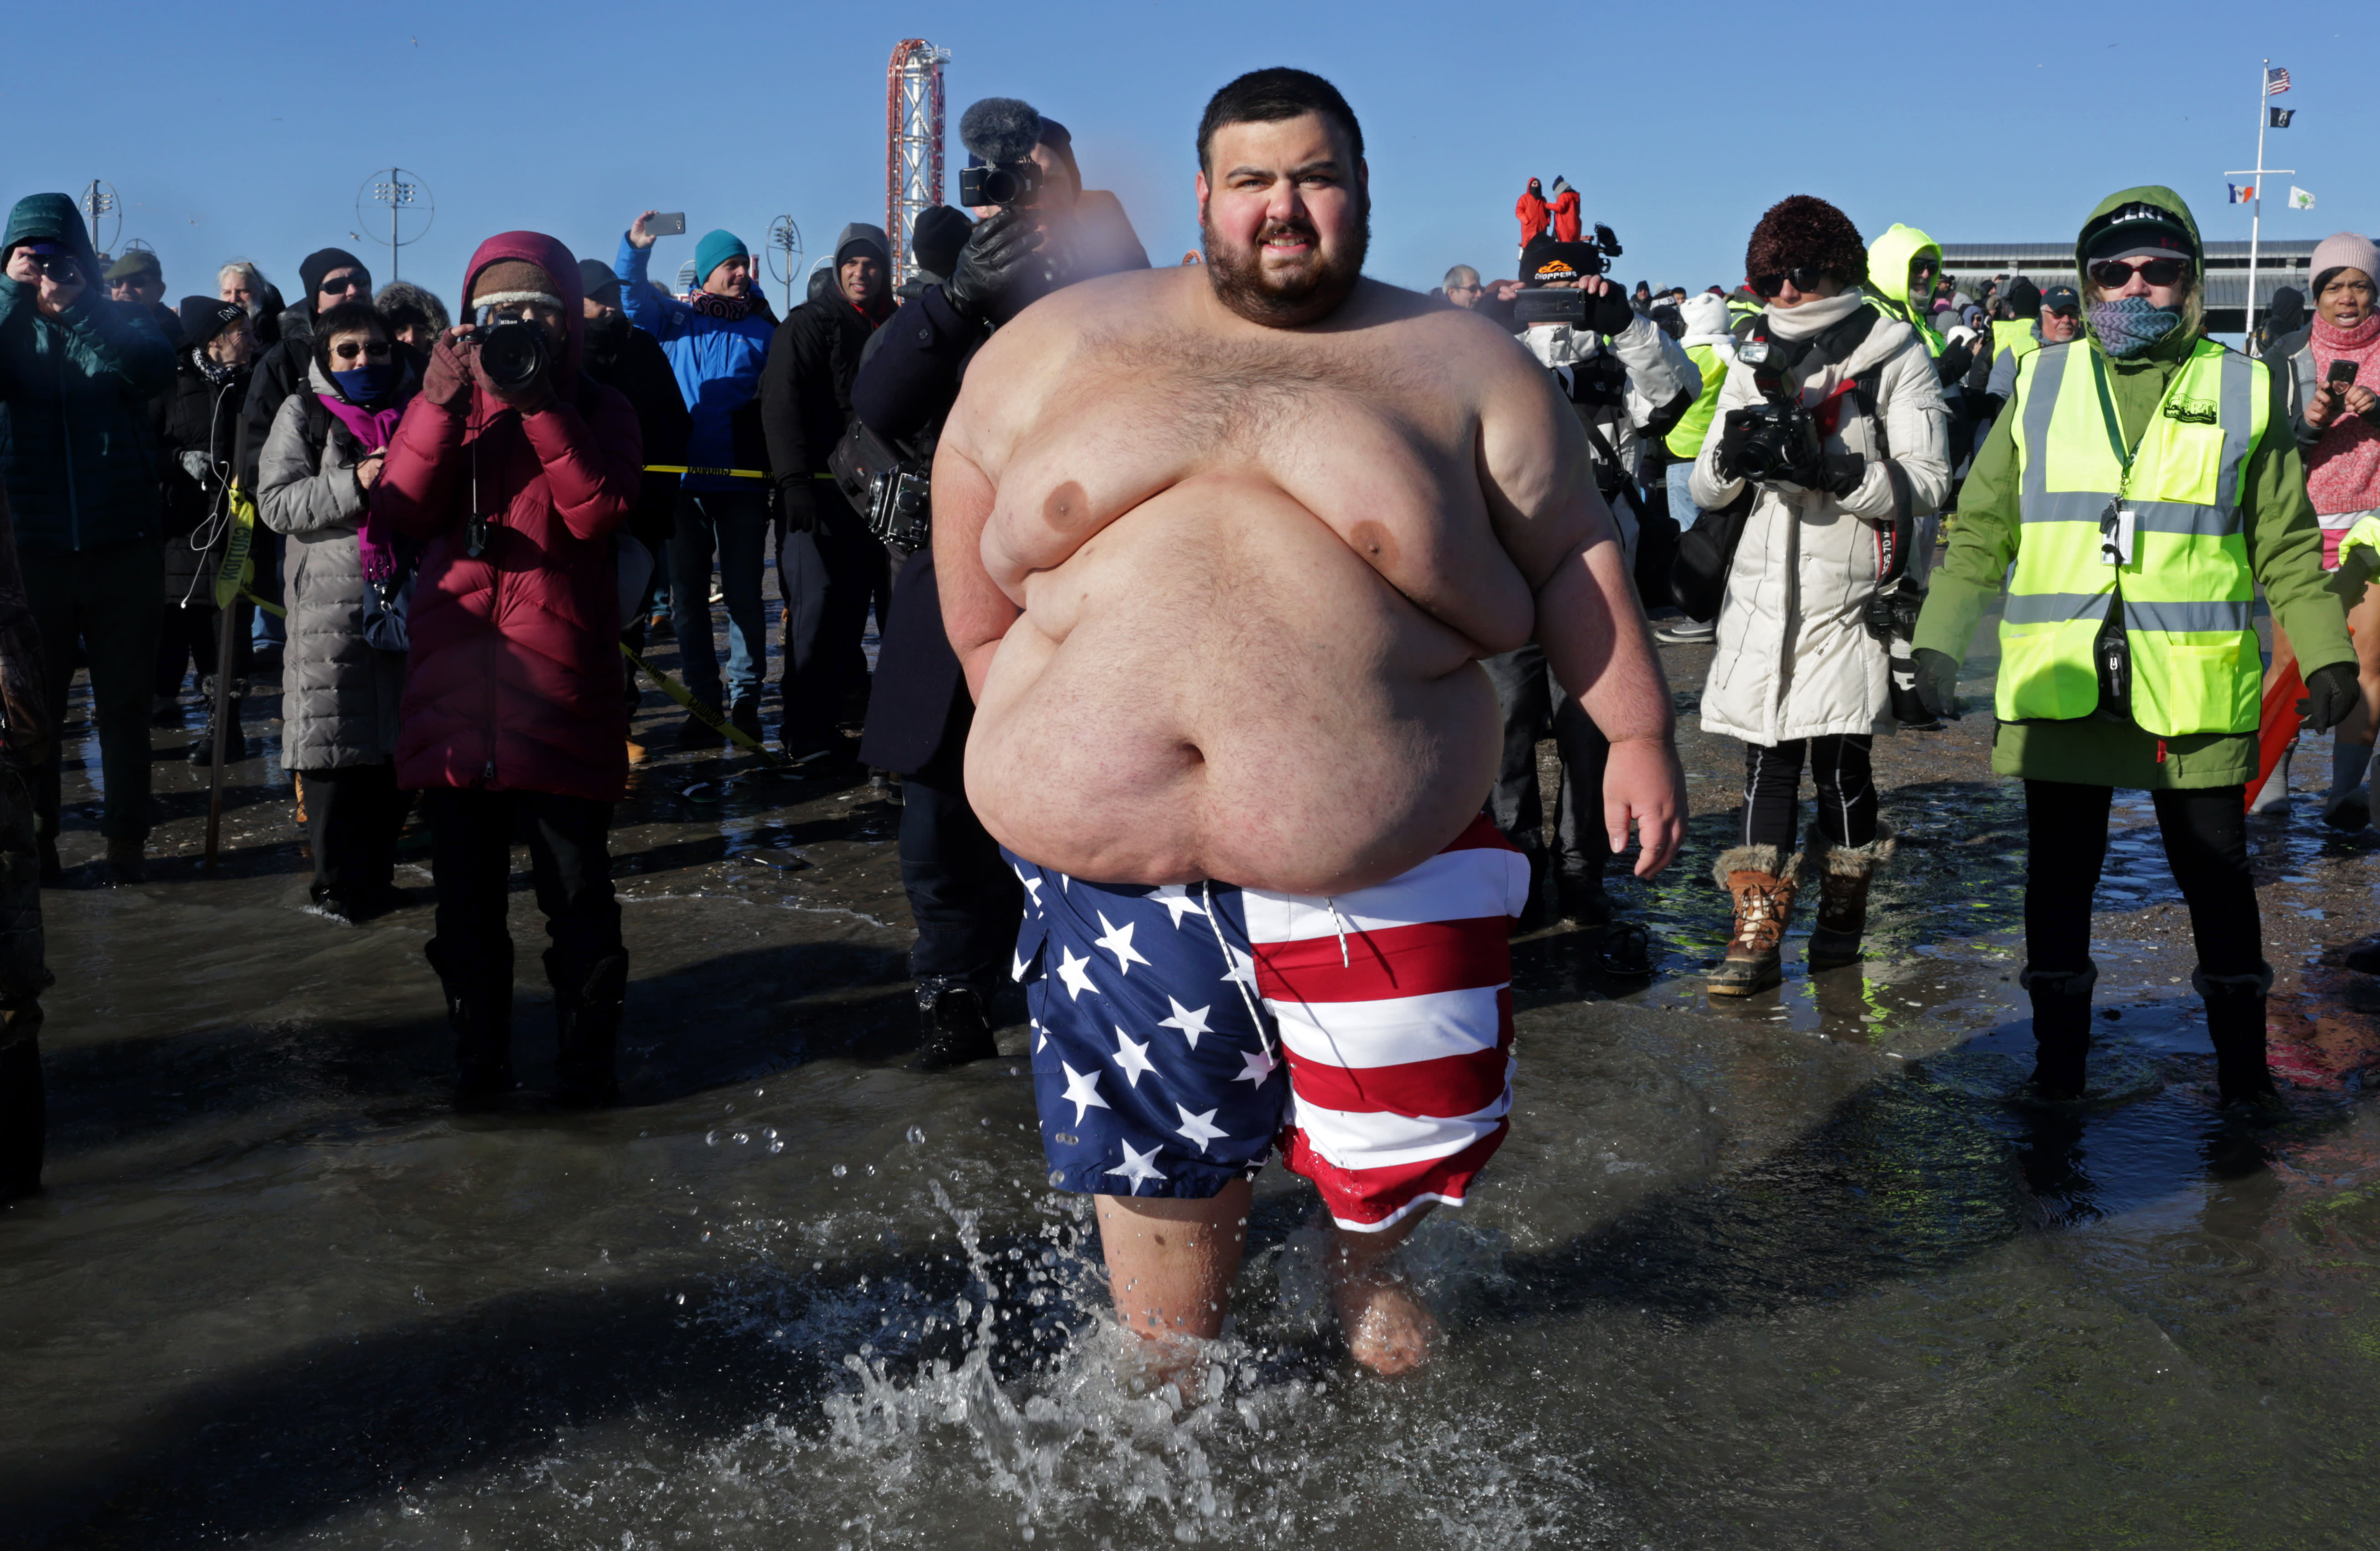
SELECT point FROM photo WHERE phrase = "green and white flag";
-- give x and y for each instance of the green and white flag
(2300, 199)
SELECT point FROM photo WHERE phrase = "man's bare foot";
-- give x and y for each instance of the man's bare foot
(1389, 1329)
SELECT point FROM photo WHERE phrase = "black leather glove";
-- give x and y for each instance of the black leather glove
(2331, 693)
(1840, 474)
(1937, 682)
(1734, 437)
(1953, 362)
(1609, 313)
(798, 503)
(996, 276)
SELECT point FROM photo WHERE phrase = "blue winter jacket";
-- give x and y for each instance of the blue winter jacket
(718, 366)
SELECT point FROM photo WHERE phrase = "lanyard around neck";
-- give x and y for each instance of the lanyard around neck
(2115, 427)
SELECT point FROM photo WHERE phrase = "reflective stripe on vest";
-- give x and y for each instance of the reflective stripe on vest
(1686, 441)
(2188, 594)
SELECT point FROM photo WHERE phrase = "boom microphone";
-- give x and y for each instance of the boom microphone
(1000, 131)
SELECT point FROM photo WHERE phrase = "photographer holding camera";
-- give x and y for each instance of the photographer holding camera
(1040, 230)
(1626, 381)
(513, 469)
(1833, 439)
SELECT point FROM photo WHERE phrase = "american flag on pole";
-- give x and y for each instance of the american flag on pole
(2276, 81)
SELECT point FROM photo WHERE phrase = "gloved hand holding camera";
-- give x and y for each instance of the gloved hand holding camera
(1005, 267)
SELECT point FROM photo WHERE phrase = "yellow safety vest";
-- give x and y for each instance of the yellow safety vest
(1686, 440)
(2187, 594)
(2014, 333)
(1900, 313)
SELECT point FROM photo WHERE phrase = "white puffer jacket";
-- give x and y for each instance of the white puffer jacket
(1794, 657)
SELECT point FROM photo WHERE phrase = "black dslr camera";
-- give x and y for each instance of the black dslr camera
(513, 351)
(1780, 437)
(1008, 183)
(1549, 272)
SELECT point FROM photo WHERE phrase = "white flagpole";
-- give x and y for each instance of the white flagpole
(2256, 200)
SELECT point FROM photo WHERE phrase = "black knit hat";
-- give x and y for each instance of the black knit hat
(205, 317)
(2023, 298)
(324, 262)
(1803, 230)
(936, 237)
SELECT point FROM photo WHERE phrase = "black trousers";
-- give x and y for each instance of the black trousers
(353, 816)
(829, 577)
(185, 638)
(1839, 769)
(2206, 835)
(966, 901)
(471, 836)
(1534, 705)
(105, 600)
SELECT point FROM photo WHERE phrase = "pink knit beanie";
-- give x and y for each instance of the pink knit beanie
(2346, 251)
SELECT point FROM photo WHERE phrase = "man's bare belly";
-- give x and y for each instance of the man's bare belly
(1215, 686)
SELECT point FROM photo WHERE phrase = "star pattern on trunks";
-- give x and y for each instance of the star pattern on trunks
(1132, 1056)
(1020, 966)
(1075, 973)
(1255, 1067)
(1138, 1165)
(1191, 1023)
(1243, 967)
(1119, 942)
(1200, 1129)
(1175, 898)
(1032, 887)
(1082, 1092)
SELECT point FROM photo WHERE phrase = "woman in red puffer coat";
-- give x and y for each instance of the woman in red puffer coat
(512, 714)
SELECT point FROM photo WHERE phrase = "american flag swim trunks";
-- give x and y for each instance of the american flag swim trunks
(1179, 1032)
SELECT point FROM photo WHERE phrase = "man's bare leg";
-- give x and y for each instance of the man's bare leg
(1171, 1265)
(1389, 1328)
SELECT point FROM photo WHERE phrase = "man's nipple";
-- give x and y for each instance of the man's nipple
(1068, 508)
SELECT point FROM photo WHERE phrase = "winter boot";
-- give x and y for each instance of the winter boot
(1761, 878)
(2274, 796)
(2235, 1022)
(126, 860)
(203, 748)
(951, 1018)
(23, 1102)
(587, 1022)
(2348, 806)
(480, 1009)
(1843, 873)
(1580, 896)
(2062, 1030)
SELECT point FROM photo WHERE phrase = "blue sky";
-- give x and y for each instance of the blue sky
(1678, 124)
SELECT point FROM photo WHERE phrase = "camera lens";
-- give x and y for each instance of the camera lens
(513, 353)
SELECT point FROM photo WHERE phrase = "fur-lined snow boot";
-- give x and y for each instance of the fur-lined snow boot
(1843, 873)
(1761, 878)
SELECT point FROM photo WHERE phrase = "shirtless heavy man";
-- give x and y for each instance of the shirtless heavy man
(1221, 548)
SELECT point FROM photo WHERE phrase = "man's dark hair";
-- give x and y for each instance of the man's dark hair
(1269, 97)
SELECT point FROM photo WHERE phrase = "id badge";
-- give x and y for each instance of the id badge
(2116, 526)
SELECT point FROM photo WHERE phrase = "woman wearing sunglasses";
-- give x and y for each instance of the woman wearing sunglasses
(339, 691)
(1799, 675)
(2143, 481)
(2333, 368)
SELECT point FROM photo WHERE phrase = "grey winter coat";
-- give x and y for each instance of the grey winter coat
(339, 696)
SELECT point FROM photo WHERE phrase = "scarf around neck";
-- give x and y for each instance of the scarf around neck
(2343, 469)
(1812, 317)
(371, 429)
(2128, 326)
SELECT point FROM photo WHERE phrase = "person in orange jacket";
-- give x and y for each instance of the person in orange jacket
(1565, 209)
(1534, 214)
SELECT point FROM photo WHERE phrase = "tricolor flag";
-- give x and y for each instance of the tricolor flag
(2300, 199)
(2280, 117)
(2276, 81)
(2240, 193)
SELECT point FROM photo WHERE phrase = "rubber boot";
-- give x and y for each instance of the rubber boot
(203, 748)
(2062, 1030)
(2235, 1022)
(24, 1104)
(2274, 798)
(480, 1009)
(952, 1025)
(586, 1010)
(1843, 873)
(1761, 879)
(1579, 893)
(2347, 804)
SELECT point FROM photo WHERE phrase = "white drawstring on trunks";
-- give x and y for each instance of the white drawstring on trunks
(1333, 906)
(1206, 896)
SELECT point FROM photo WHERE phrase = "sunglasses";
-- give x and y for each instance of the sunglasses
(1805, 277)
(341, 288)
(377, 350)
(2114, 274)
(2070, 313)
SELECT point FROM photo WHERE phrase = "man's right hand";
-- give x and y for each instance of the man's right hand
(798, 503)
(988, 285)
(1642, 783)
(52, 296)
(639, 237)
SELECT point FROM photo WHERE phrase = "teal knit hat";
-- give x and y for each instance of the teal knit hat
(716, 248)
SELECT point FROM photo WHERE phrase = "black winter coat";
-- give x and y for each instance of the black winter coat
(806, 384)
(636, 365)
(199, 448)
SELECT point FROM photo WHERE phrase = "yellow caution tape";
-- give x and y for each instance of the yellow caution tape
(708, 716)
(721, 473)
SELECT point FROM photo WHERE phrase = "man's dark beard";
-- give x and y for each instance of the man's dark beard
(1289, 302)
